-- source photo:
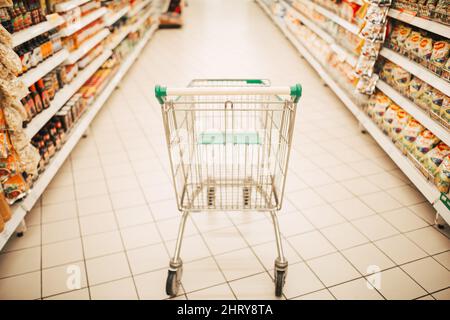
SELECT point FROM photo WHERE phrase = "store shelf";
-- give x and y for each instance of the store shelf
(112, 17)
(77, 132)
(69, 5)
(33, 75)
(417, 70)
(138, 7)
(340, 51)
(119, 38)
(86, 46)
(425, 24)
(429, 191)
(141, 20)
(332, 16)
(18, 214)
(65, 94)
(414, 110)
(52, 22)
(71, 29)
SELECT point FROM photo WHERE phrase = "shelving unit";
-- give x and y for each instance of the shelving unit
(33, 75)
(417, 70)
(86, 46)
(141, 20)
(339, 50)
(71, 29)
(425, 24)
(112, 17)
(138, 7)
(20, 209)
(22, 36)
(332, 16)
(414, 110)
(64, 94)
(119, 38)
(429, 190)
(69, 5)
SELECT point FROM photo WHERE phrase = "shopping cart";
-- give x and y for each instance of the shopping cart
(229, 142)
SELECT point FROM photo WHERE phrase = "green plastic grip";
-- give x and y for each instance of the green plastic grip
(296, 92)
(160, 93)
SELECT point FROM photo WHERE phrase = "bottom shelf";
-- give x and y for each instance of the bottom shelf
(428, 189)
(20, 209)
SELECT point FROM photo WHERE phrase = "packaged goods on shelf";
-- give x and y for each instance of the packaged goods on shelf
(22, 15)
(437, 10)
(429, 50)
(38, 49)
(431, 100)
(90, 56)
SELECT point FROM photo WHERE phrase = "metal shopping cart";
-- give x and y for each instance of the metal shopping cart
(229, 142)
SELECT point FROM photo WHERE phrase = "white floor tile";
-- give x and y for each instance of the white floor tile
(63, 252)
(63, 278)
(224, 240)
(311, 245)
(444, 259)
(318, 295)
(201, 274)
(430, 240)
(148, 258)
(257, 287)
(102, 244)
(333, 192)
(300, 280)
(381, 201)
(59, 211)
(323, 216)
(139, 236)
(220, 292)
(81, 294)
(239, 264)
(107, 268)
(192, 248)
(397, 285)
(150, 286)
(59, 231)
(353, 209)
(116, 290)
(375, 227)
(359, 289)
(404, 220)
(23, 287)
(400, 249)
(98, 223)
(344, 236)
(366, 258)
(333, 269)
(429, 274)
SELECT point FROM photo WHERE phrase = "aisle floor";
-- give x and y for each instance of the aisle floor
(110, 212)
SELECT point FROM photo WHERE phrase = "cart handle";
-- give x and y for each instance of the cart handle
(294, 91)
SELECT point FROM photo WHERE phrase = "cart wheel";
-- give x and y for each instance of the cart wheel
(173, 282)
(280, 277)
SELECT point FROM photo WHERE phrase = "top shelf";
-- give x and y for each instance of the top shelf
(22, 36)
(69, 5)
(71, 29)
(425, 24)
(353, 28)
(138, 7)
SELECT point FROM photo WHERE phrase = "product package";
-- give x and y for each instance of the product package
(433, 159)
(442, 179)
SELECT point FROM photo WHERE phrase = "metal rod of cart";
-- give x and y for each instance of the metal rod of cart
(229, 142)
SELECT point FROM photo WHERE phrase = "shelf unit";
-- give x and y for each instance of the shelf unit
(119, 38)
(22, 36)
(33, 75)
(69, 5)
(332, 16)
(20, 209)
(86, 46)
(339, 50)
(112, 17)
(65, 94)
(417, 70)
(71, 29)
(141, 20)
(425, 24)
(414, 110)
(429, 190)
(138, 7)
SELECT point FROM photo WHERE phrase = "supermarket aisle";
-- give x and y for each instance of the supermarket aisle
(110, 212)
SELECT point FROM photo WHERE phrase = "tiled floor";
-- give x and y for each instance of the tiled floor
(109, 216)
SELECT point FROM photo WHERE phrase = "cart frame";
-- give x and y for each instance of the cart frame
(229, 142)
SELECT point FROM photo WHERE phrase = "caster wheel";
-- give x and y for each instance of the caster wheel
(280, 278)
(19, 234)
(440, 226)
(173, 282)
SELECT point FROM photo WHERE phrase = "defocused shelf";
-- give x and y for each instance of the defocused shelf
(112, 17)
(84, 21)
(417, 70)
(425, 24)
(33, 75)
(138, 7)
(22, 36)
(86, 46)
(142, 19)
(63, 95)
(119, 38)
(69, 5)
